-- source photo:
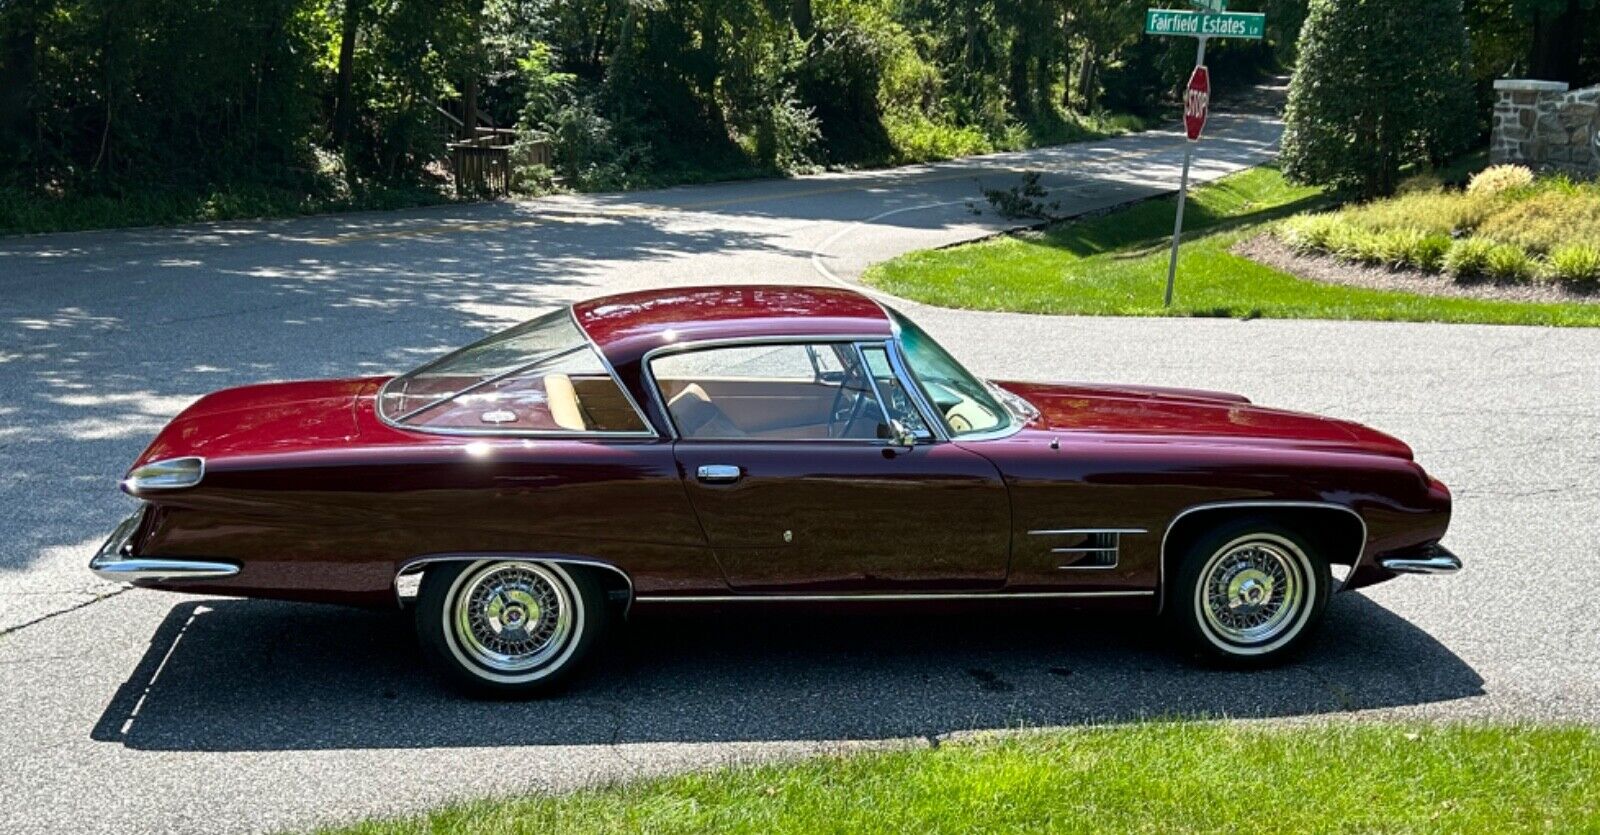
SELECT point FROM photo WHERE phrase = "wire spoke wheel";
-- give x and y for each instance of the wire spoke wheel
(1254, 593)
(512, 618)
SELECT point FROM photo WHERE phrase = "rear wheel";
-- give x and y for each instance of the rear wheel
(506, 628)
(1249, 593)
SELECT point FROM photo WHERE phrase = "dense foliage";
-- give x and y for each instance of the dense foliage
(1380, 84)
(319, 100)
(206, 108)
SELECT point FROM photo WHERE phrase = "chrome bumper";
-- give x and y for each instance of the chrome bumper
(113, 562)
(1435, 559)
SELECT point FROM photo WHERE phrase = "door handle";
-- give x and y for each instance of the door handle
(718, 473)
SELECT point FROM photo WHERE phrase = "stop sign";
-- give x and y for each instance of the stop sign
(1197, 102)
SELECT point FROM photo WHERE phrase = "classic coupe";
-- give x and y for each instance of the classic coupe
(761, 445)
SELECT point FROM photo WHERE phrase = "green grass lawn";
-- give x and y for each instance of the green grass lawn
(1158, 777)
(1117, 265)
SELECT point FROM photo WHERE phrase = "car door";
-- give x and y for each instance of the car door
(787, 460)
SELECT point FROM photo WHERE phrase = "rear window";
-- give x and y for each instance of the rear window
(540, 376)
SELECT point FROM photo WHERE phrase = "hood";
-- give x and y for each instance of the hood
(1189, 414)
(269, 418)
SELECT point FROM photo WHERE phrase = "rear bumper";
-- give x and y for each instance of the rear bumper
(115, 562)
(1432, 559)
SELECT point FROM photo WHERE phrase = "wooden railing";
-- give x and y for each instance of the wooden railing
(482, 163)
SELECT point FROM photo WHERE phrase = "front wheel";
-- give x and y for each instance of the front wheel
(509, 629)
(1248, 594)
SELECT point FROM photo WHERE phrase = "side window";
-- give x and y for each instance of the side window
(770, 392)
(569, 392)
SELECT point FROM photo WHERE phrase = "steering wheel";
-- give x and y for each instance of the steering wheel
(842, 416)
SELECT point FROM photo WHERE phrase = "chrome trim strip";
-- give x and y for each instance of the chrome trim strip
(1084, 550)
(647, 377)
(141, 570)
(1085, 531)
(1440, 564)
(1161, 565)
(132, 487)
(874, 597)
(1012, 427)
(422, 562)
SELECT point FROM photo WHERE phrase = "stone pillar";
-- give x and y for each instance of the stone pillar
(1543, 126)
(1516, 118)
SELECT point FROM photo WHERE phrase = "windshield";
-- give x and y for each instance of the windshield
(540, 376)
(964, 402)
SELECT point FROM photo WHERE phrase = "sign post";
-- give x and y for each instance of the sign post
(1215, 21)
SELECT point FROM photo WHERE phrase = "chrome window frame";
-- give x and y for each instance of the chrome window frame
(647, 378)
(1013, 424)
(649, 432)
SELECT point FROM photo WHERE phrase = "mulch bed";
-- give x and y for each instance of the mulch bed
(1268, 250)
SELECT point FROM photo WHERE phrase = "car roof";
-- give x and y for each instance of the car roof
(627, 326)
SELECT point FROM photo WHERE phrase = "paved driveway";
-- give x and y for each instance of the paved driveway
(154, 712)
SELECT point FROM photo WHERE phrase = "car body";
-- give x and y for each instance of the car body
(762, 444)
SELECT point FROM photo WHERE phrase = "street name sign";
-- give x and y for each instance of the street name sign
(1205, 24)
(1210, 5)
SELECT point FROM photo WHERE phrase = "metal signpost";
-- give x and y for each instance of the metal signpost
(1215, 21)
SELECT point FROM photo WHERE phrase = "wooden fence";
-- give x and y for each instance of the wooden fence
(482, 164)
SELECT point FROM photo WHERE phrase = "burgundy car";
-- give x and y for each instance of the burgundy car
(761, 445)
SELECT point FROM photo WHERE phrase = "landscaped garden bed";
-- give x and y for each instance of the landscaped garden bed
(1506, 228)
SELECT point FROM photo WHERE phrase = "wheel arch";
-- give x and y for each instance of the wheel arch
(1338, 530)
(616, 582)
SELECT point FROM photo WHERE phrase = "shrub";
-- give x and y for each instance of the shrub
(1468, 258)
(1394, 246)
(1353, 243)
(1552, 214)
(1308, 233)
(1574, 264)
(1411, 248)
(1508, 263)
(1435, 212)
(1396, 74)
(1425, 183)
(1428, 252)
(1498, 178)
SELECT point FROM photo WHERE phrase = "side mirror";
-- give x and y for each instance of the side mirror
(899, 435)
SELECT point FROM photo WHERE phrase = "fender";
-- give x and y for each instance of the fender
(416, 564)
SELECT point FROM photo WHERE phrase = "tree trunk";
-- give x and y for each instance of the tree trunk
(800, 16)
(19, 70)
(1086, 78)
(1557, 43)
(475, 61)
(1018, 82)
(344, 106)
(469, 105)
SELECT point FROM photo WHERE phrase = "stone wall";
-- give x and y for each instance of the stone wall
(1543, 126)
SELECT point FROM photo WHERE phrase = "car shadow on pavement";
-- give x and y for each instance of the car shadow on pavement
(235, 675)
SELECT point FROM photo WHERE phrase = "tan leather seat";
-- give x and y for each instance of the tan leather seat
(697, 417)
(562, 399)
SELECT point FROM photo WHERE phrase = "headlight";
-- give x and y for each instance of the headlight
(171, 474)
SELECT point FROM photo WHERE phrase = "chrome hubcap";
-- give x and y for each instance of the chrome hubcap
(1253, 591)
(511, 617)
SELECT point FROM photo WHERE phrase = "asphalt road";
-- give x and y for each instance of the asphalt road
(144, 711)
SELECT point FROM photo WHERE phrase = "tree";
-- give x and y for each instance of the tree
(1380, 84)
